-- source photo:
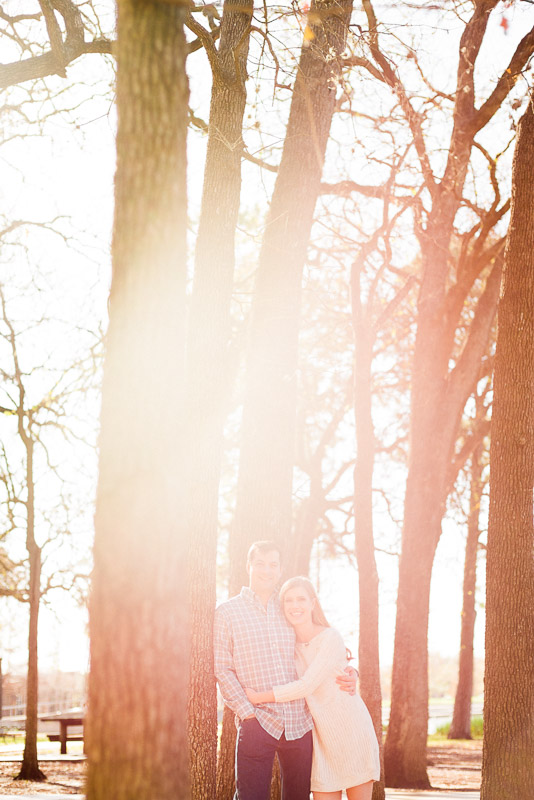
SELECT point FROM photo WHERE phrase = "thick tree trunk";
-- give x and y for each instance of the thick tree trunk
(408, 721)
(368, 646)
(461, 718)
(433, 427)
(438, 394)
(268, 430)
(263, 508)
(507, 762)
(207, 374)
(137, 720)
(226, 760)
(438, 399)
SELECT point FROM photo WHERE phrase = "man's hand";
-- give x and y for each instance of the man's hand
(347, 680)
(253, 696)
(257, 698)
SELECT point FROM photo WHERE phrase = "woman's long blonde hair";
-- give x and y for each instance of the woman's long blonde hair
(300, 581)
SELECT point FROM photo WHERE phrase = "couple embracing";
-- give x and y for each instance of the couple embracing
(283, 671)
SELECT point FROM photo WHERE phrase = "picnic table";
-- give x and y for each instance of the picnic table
(66, 720)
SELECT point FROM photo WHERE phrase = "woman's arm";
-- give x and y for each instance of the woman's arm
(330, 655)
(325, 664)
(256, 698)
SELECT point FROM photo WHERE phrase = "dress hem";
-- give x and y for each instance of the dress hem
(352, 781)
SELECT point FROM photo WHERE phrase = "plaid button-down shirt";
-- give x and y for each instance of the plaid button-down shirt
(255, 648)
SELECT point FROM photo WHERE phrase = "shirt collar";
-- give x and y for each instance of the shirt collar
(251, 597)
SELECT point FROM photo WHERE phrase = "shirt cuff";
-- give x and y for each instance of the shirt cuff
(245, 710)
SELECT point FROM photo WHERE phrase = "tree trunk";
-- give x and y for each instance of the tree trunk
(226, 759)
(136, 739)
(368, 645)
(408, 723)
(507, 762)
(434, 422)
(439, 393)
(461, 718)
(30, 766)
(438, 399)
(263, 508)
(268, 430)
(306, 527)
(207, 375)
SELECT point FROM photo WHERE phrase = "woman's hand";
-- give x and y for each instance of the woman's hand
(347, 680)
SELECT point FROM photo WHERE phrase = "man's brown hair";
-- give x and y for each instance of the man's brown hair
(264, 546)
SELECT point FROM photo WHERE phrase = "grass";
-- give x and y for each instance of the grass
(9, 738)
(477, 730)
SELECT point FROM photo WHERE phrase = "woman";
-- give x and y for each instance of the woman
(345, 748)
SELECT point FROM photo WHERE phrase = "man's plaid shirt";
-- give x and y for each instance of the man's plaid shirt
(255, 648)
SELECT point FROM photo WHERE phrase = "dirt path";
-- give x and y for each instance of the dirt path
(455, 765)
(452, 765)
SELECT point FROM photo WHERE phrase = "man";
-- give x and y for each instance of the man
(255, 647)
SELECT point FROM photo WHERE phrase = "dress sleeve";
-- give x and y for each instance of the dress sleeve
(328, 658)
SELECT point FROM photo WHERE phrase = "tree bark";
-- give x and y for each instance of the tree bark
(137, 719)
(226, 759)
(306, 526)
(438, 399)
(208, 370)
(507, 763)
(263, 509)
(368, 587)
(439, 393)
(263, 506)
(29, 770)
(461, 718)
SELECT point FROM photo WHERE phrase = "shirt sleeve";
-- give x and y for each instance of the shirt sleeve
(233, 693)
(325, 664)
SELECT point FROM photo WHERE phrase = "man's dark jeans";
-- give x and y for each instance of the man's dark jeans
(254, 762)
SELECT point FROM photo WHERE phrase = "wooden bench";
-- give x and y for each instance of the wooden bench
(71, 737)
(66, 719)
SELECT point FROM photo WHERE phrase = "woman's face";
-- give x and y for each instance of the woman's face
(298, 605)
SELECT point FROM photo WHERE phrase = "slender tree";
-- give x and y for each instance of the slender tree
(137, 720)
(35, 404)
(207, 365)
(366, 328)
(507, 763)
(461, 717)
(263, 508)
(25, 414)
(264, 492)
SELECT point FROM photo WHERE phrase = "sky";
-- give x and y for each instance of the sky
(68, 172)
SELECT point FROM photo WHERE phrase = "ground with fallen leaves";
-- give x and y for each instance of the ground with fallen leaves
(63, 777)
(455, 764)
(451, 765)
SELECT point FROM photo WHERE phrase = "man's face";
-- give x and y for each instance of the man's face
(264, 572)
